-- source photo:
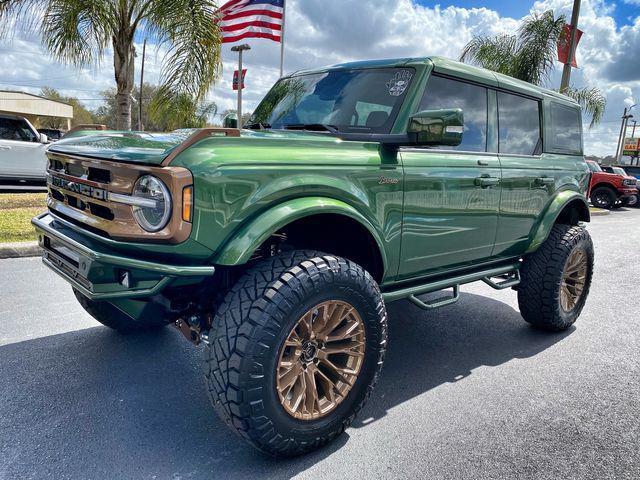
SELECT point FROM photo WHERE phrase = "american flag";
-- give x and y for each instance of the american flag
(241, 19)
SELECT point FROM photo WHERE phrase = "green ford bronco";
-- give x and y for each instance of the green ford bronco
(278, 247)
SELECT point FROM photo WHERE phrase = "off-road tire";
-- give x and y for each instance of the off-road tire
(541, 277)
(631, 201)
(603, 197)
(110, 316)
(252, 324)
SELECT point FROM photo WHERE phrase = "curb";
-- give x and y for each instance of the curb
(19, 250)
(599, 212)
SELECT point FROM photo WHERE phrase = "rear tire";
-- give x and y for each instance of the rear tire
(555, 280)
(632, 201)
(603, 197)
(257, 364)
(110, 316)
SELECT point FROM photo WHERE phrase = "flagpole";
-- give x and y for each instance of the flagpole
(284, 20)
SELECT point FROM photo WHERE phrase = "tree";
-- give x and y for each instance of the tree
(181, 111)
(79, 32)
(158, 115)
(530, 56)
(80, 113)
(107, 113)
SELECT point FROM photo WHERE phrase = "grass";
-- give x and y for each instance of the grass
(16, 212)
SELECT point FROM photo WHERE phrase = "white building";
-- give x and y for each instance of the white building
(32, 106)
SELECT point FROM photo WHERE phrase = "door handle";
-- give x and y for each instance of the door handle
(5, 147)
(545, 181)
(485, 182)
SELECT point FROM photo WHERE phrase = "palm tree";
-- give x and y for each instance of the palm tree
(181, 111)
(78, 32)
(530, 56)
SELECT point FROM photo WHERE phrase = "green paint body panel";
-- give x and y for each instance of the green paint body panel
(245, 242)
(423, 207)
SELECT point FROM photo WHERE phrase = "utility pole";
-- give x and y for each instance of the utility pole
(566, 72)
(144, 51)
(240, 49)
(623, 132)
(633, 132)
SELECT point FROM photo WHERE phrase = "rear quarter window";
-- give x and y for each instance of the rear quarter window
(566, 129)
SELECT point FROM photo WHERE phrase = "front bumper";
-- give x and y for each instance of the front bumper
(100, 274)
(625, 192)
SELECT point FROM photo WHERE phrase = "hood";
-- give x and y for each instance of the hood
(153, 148)
(132, 147)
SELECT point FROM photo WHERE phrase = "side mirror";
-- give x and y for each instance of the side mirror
(437, 127)
(230, 121)
(43, 138)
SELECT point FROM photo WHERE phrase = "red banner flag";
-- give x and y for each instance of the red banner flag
(235, 78)
(564, 45)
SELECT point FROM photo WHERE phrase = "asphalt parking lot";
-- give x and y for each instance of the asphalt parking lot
(467, 392)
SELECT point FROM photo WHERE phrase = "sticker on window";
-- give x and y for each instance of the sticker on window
(399, 83)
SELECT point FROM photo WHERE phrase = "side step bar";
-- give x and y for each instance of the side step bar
(509, 276)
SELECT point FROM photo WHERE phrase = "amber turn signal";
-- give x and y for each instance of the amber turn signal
(187, 203)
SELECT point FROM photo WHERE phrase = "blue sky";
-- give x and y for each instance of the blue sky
(623, 12)
(508, 8)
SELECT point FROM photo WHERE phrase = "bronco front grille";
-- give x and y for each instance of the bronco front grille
(80, 189)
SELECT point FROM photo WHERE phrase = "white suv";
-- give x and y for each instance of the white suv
(22, 151)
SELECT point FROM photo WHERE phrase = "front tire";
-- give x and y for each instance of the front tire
(296, 349)
(631, 201)
(555, 280)
(603, 197)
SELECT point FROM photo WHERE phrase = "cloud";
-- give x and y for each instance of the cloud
(322, 32)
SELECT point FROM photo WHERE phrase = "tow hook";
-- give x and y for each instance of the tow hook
(192, 329)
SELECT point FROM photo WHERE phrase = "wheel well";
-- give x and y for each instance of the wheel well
(574, 212)
(336, 234)
(604, 185)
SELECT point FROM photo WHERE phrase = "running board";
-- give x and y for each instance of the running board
(509, 276)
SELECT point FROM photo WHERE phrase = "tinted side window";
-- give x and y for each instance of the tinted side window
(11, 129)
(472, 99)
(519, 131)
(566, 123)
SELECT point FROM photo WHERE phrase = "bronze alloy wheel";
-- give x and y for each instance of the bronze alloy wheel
(573, 279)
(320, 360)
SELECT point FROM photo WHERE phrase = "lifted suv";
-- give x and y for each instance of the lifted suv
(630, 180)
(278, 247)
(607, 190)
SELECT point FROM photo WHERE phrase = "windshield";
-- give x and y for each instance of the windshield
(594, 167)
(350, 101)
(619, 171)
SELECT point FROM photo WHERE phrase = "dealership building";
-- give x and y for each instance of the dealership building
(33, 106)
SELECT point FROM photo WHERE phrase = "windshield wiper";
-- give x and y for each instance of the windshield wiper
(258, 126)
(312, 127)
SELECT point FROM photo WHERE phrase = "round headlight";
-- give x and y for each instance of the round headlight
(154, 207)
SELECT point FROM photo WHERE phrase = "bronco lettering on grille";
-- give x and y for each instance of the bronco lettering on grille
(79, 188)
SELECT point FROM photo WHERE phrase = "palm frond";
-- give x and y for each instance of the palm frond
(537, 40)
(74, 31)
(493, 53)
(78, 31)
(180, 110)
(592, 101)
(186, 27)
(29, 12)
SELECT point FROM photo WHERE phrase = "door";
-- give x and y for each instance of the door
(452, 195)
(21, 153)
(528, 176)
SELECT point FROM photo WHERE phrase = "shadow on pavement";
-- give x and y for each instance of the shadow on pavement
(94, 404)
